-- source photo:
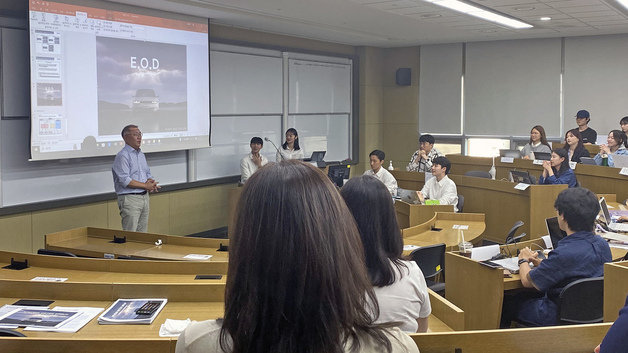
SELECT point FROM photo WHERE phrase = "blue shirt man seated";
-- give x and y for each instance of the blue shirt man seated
(581, 254)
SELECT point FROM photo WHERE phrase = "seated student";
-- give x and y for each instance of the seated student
(581, 254)
(290, 149)
(582, 120)
(254, 161)
(574, 146)
(297, 280)
(623, 123)
(537, 143)
(421, 160)
(615, 339)
(615, 144)
(399, 285)
(440, 187)
(557, 170)
(377, 161)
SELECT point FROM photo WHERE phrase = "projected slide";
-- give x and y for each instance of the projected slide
(93, 71)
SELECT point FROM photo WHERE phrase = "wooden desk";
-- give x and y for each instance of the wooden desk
(615, 288)
(423, 235)
(96, 242)
(555, 339)
(409, 215)
(499, 201)
(600, 180)
(478, 289)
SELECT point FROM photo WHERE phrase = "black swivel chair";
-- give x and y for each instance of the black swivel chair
(510, 237)
(460, 203)
(54, 253)
(431, 261)
(478, 174)
(582, 301)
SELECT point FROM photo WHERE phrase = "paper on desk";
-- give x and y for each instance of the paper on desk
(409, 247)
(615, 245)
(173, 328)
(460, 226)
(522, 186)
(5, 309)
(197, 257)
(86, 314)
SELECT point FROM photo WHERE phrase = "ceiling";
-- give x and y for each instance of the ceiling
(395, 23)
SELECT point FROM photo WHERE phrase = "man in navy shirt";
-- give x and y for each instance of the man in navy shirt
(581, 254)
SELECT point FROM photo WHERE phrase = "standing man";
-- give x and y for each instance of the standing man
(132, 181)
(582, 119)
(251, 163)
(421, 160)
(440, 187)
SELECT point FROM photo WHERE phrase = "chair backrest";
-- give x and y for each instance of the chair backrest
(54, 253)
(431, 259)
(582, 301)
(510, 237)
(460, 203)
(478, 174)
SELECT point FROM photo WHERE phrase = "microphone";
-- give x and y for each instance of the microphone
(269, 140)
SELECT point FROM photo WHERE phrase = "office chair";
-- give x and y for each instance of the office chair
(510, 237)
(431, 261)
(54, 253)
(460, 203)
(478, 174)
(582, 301)
(5, 332)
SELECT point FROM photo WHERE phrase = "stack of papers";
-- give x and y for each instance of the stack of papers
(59, 319)
(123, 311)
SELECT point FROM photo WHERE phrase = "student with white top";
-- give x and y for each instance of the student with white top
(440, 187)
(615, 144)
(399, 285)
(377, 160)
(538, 143)
(255, 160)
(290, 148)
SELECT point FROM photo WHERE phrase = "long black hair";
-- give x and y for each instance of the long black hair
(564, 166)
(297, 279)
(370, 203)
(296, 140)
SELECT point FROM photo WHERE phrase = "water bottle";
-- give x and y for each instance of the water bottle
(492, 171)
(390, 166)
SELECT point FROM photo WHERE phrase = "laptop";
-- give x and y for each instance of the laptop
(522, 177)
(317, 156)
(510, 153)
(587, 160)
(610, 223)
(408, 196)
(620, 160)
(543, 156)
(554, 231)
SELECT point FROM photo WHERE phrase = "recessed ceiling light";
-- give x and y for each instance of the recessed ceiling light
(481, 12)
(545, 18)
(430, 15)
(524, 8)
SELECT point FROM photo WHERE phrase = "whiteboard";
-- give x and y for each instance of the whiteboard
(323, 133)
(245, 84)
(319, 87)
(27, 182)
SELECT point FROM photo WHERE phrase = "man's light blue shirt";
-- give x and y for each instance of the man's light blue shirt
(130, 164)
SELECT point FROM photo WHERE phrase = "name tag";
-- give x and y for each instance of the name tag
(537, 162)
(522, 186)
(624, 171)
(507, 160)
(572, 165)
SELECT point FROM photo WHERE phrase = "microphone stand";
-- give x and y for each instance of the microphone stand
(269, 140)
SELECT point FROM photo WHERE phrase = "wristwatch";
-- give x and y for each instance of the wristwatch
(521, 261)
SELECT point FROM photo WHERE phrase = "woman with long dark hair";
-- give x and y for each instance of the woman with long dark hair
(615, 144)
(290, 149)
(537, 143)
(399, 285)
(557, 170)
(296, 281)
(574, 146)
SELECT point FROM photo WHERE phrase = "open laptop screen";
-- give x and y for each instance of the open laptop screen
(555, 233)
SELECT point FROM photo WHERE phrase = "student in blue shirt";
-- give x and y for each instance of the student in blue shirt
(615, 144)
(581, 254)
(615, 339)
(557, 170)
